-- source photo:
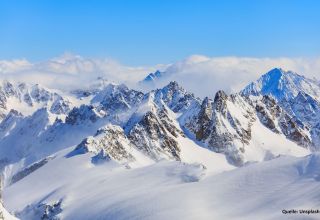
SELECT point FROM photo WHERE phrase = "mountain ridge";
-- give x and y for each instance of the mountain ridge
(119, 128)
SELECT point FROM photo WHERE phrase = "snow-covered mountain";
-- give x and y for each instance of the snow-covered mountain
(283, 85)
(27, 98)
(298, 95)
(152, 77)
(113, 142)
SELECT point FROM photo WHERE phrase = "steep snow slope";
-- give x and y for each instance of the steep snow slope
(170, 190)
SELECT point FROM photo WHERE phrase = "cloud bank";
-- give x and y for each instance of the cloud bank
(200, 74)
(71, 71)
(204, 75)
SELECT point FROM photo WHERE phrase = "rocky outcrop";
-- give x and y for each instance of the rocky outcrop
(43, 211)
(204, 120)
(153, 131)
(31, 168)
(109, 142)
(83, 114)
(9, 122)
(153, 138)
(175, 97)
(279, 121)
(117, 98)
(298, 98)
(220, 129)
(225, 123)
(292, 131)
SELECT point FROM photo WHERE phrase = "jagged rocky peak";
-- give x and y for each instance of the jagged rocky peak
(267, 112)
(282, 85)
(220, 100)
(220, 96)
(204, 119)
(84, 113)
(153, 131)
(117, 98)
(9, 122)
(109, 142)
(206, 107)
(8, 88)
(39, 94)
(153, 76)
(176, 97)
(31, 97)
(59, 105)
(151, 136)
(223, 125)
(297, 99)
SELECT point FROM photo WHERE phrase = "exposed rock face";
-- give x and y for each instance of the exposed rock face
(59, 105)
(175, 97)
(152, 123)
(291, 130)
(267, 111)
(279, 121)
(9, 122)
(152, 129)
(26, 171)
(109, 142)
(51, 211)
(298, 97)
(118, 98)
(82, 114)
(221, 130)
(151, 136)
(43, 211)
(225, 124)
(204, 120)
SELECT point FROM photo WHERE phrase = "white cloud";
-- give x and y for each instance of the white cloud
(200, 74)
(72, 71)
(204, 75)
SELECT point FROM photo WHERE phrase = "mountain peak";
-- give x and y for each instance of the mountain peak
(220, 95)
(282, 85)
(279, 73)
(173, 85)
(151, 77)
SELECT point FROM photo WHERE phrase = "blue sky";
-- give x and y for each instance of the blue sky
(147, 32)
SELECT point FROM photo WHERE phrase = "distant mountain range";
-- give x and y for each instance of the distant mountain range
(111, 129)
